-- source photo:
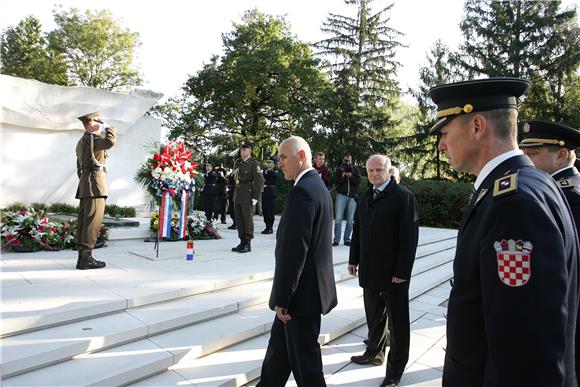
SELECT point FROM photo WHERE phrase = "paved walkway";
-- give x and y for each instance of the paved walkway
(44, 289)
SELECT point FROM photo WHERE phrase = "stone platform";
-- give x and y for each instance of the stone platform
(204, 322)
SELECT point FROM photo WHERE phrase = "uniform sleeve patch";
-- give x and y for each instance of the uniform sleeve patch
(514, 260)
(505, 185)
(565, 183)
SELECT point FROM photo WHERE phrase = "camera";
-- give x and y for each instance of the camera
(346, 167)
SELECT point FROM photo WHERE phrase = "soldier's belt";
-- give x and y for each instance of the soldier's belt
(94, 169)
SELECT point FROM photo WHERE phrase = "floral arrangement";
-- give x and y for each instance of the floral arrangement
(198, 226)
(171, 168)
(29, 230)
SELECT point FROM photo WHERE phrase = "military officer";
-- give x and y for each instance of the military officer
(551, 147)
(249, 185)
(512, 310)
(91, 152)
(269, 194)
(210, 178)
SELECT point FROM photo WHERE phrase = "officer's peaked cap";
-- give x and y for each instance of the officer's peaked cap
(540, 133)
(476, 95)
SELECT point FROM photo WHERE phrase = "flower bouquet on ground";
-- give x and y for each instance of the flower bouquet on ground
(29, 230)
(197, 225)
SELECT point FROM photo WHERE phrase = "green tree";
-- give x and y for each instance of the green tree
(25, 53)
(264, 87)
(418, 152)
(99, 53)
(525, 38)
(360, 52)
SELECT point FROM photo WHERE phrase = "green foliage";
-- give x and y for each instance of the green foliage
(116, 211)
(111, 210)
(439, 203)
(360, 53)
(63, 208)
(25, 53)
(264, 87)
(99, 53)
(530, 39)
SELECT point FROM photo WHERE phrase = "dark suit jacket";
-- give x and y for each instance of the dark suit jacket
(516, 333)
(304, 275)
(93, 180)
(385, 236)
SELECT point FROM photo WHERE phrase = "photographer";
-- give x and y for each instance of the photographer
(221, 200)
(347, 180)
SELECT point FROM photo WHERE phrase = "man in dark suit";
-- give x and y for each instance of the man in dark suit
(92, 155)
(210, 178)
(384, 243)
(304, 286)
(551, 147)
(269, 195)
(513, 307)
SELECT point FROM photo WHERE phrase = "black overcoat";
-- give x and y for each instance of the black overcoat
(385, 236)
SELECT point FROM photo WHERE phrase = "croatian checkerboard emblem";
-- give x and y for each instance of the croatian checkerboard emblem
(514, 262)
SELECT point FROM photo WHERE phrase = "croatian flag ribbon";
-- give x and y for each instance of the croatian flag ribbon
(165, 215)
(183, 215)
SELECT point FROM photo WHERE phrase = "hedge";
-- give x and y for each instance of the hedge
(111, 210)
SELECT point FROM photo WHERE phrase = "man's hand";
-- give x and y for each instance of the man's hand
(254, 201)
(282, 314)
(352, 269)
(348, 174)
(397, 280)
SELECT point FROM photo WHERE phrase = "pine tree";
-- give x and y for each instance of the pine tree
(360, 53)
(524, 38)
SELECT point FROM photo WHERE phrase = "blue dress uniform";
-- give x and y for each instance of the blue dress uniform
(269, 197)
(539, 133)
(513, 307)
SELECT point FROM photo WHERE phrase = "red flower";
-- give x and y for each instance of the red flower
(15, 243)
(41, 229)
(156, 157)
(171, 191)
(22, 212)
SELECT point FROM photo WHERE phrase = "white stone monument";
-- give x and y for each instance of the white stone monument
(39, 130)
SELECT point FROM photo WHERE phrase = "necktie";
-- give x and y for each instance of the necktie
(376, 193)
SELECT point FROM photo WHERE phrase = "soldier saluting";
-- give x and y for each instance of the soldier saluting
(92, 191)
(249, 185)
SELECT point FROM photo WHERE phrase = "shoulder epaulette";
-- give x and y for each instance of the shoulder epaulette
(565, 183)
(505, 185)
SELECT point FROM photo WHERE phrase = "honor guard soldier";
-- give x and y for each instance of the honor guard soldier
(249, 185)
(210, 178)
(513, 307)
(269, 195)
(92, 190)
(551, 147)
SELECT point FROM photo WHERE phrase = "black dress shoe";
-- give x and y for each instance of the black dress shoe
(390, 382)
(334, 244)
(233, 227)
(367, 358)
(347, 243)
(268, 231)
(238, 247)
(90, 263)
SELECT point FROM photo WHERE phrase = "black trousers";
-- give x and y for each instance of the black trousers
(231, 211)
(389, 310)
(209, 205)
(220, 207)
(268, 209)
(244, 220)
(293, 347)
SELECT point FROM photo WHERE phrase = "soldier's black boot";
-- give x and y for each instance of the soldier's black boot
(233, 227)
(238, 247)
(223, 219)
(79, 260)
(88, 262)
(246, 248)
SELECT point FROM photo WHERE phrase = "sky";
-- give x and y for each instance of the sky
(177, 37)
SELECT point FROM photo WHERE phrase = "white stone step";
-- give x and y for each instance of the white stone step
(241, 363)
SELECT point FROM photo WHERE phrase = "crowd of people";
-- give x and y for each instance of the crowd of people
(513, 311)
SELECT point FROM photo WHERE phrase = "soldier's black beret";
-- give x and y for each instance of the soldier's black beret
(90, 116)
(246, 144)
(476, 95)
(539, 133)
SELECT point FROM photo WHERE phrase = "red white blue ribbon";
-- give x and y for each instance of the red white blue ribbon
(183, 215)
(165, 215)
(189, 251)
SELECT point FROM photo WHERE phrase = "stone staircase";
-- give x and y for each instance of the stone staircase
(212, 333)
